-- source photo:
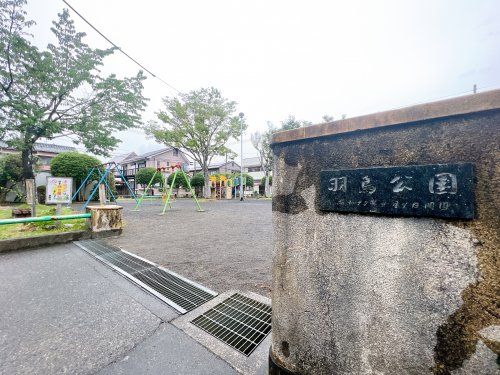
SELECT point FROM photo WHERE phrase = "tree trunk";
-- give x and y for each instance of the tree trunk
(206, 190)
(267, 193)
(27, 163)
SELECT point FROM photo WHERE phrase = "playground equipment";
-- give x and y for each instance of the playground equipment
(144, 194)
(177, 169)
(221, 186)
(103, 179)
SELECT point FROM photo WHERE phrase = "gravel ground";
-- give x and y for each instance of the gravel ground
(228, 246)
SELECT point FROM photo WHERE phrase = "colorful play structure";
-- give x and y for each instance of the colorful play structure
(178, 173)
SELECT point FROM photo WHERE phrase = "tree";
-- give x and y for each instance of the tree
(290, 123)
(59, 91)
(200, 123)
(261, 142)
(144, 175)
(248, 180)
(76, 165)
(10, 175)
(327, 118)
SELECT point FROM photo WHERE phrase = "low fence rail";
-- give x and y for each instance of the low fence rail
(43, 218)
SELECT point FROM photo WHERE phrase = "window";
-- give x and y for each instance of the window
(176, 152)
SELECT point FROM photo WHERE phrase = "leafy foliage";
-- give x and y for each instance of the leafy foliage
(197, 180)
(179, 181)
(263, 181)
(74, 164)
(144, 175)
(200, 123)
(10, 174)
(292, 123)
(249, 179)
(59, 91)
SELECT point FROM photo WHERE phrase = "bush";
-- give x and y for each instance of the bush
(263, 181)
(76, 165)
(179, 181)
(197, 180)
(144, 175)
(10, 174)
(40, 192)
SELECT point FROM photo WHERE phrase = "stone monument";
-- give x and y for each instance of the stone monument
(386, 256)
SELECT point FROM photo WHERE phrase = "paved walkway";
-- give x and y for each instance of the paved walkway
(229, 246)
(64, 312)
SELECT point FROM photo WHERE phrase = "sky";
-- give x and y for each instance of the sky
(302, 58)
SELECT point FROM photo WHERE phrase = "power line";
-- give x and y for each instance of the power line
(121, 50)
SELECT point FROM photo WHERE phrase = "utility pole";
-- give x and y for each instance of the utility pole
(474, 89)
(241, 156)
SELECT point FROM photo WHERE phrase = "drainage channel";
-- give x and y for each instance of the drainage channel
(239, 321)
(182, 294)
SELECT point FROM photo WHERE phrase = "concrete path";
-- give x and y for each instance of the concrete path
(62, 312)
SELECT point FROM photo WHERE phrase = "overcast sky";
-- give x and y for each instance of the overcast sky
(306, 58)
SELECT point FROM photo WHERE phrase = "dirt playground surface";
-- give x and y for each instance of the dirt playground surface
(229, 246)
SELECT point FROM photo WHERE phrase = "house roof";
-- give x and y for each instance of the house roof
(120, 158)
(44, 147)
(214, 165)
(47, 147)
(251, 162)
(147, 155)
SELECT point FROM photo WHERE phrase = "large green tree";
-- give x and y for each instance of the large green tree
(59, 91)
(200, 123)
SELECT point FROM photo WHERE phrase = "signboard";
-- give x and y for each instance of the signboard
(58, 190)
(439, 190)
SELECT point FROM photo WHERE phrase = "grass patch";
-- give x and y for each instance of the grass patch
(35, 229)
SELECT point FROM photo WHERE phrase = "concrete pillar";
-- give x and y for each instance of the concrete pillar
(106, 218)
(388, 291)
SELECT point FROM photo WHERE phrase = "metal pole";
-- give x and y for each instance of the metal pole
(241, 155)
(43, 218)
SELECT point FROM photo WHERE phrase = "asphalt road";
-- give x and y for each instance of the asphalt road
(229, 246)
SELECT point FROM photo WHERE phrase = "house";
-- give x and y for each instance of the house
(216, 168)
(131, 163)
(253, 167)
(44, 153)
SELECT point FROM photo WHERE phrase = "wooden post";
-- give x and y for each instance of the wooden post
(102, 194)
(31, 195)
(58, 223)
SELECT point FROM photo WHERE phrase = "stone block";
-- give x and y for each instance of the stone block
(388, 292)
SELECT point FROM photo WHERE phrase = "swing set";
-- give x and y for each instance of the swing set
(178, 173)
(103, 179)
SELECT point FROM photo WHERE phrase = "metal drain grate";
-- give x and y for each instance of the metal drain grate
(239, 321)
(182, 294)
